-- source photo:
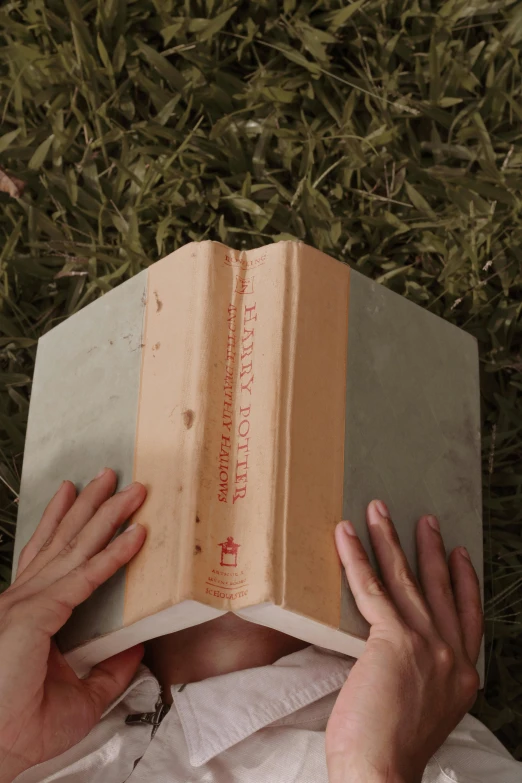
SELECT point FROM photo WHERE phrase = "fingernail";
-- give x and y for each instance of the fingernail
(131, 527)
(382, 508)
(126, 489)
(464, 552)
(433, 522)
(377, 511)
(101, 473)
(348, 528)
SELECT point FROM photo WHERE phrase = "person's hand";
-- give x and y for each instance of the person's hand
(44, 707)
(416, 678)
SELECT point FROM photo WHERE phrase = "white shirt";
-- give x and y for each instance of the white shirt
(261, 725)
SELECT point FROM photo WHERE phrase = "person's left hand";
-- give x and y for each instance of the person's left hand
(416, 678)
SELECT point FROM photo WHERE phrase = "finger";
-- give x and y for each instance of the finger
(435, 581)
(370, 596)
(53, 606)
(92, 539)
(109, 517)
(54, 512)
(466, 589)
(398, 578)
(109, 679)
(83, 509)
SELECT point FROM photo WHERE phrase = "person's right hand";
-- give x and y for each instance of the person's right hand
(44, 707)
(417, 676)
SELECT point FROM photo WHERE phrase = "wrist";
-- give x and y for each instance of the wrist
(352, 775)
(9, 774)
(10, 768)
(351, 770)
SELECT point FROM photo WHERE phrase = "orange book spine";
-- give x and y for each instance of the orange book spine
(233, 561)
(208, 422)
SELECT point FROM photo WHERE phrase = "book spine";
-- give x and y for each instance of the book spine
(233, 558)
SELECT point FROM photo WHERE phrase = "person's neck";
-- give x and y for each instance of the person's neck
(226, 644)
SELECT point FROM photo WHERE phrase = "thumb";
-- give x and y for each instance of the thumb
(109, 678)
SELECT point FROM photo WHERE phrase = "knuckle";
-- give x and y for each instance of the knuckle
(85, 573)
(405, 577)
(47, 543)
(444, 655)
(374, 586)
(469, 681)
(361, 558)
(23, 561)
(69, 547)
(446, 591)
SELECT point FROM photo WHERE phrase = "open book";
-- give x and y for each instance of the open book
(261, 396)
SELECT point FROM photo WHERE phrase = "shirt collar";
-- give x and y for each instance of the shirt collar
(219, 712)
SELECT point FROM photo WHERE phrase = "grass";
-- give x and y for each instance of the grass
(385, 132)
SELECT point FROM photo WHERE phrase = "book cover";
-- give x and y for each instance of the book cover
(261, 396)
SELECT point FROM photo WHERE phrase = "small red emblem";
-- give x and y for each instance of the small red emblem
(229, 552)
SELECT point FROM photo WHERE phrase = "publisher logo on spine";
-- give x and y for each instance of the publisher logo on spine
(228, 584)
(229, 550)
